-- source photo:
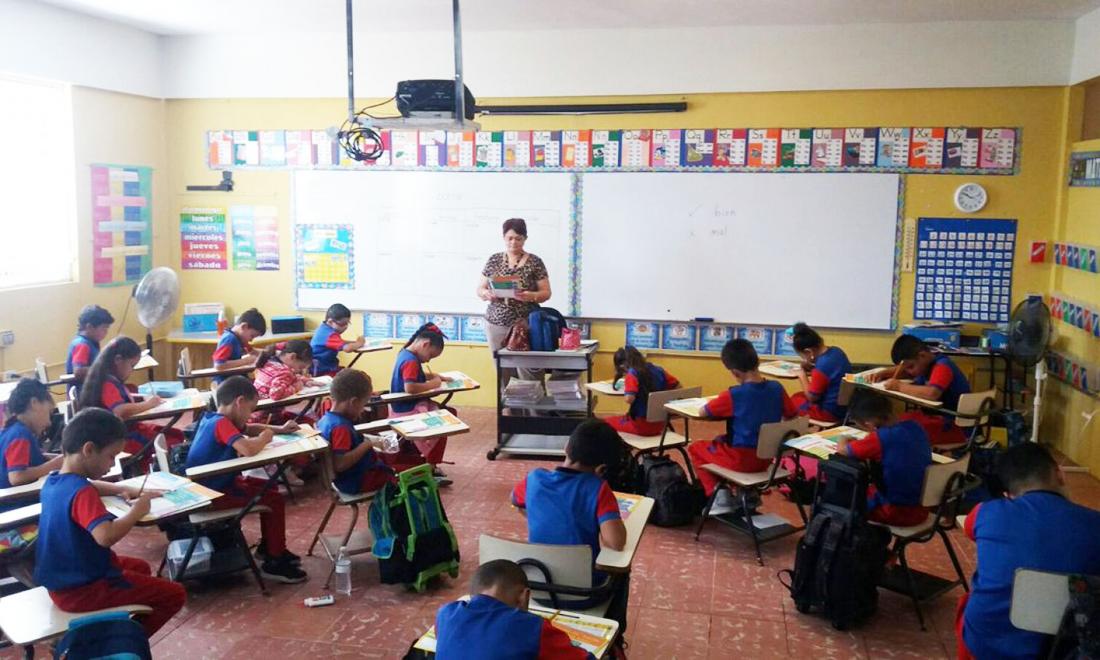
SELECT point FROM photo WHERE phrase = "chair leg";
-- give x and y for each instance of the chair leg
(746, 514)
(900, 548)
(321, 529)
(28, 652)
(954, 560)
(285, 481)
(242, 543)
(706, 510)
(687, 463)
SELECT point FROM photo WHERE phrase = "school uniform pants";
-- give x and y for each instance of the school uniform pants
(961, 650)
(941, 430)
(137, 586)
(807, 409)
(635, 425)
(720, 452)
(272, 525)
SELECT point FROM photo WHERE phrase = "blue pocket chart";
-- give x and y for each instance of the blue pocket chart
(964, 270)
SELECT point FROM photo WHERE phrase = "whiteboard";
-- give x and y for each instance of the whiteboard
(422, 238)
(755, 248)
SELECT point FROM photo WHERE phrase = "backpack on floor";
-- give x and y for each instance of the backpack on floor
(675, 501)
(545, 325)
(841, 557)
(1078, 636)
(413, 540)
(112, 635)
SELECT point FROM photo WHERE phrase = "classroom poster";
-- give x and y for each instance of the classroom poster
(760, 338)
(122, 235)
(784, 342)
(998, 148)
(219, 149)
(698, 149)
(893, 147)
(432, 146)
(472, 328)
(961, 147)
(828, 149)
(964, 270)
(325, 256)
(460, 148)
(378, 325)
(446, 323)
(713, 337)
(255, 231)
(546, 148)
(1084, 169)
(763, 147)
(926, 148)
(678, 337)
(666, 147)
(860, 147)
(408, 324)
(576, 148)
(729, 147)
(794, 147)
(405, 149)
(246, 148)
(202, 239)
(490, 149)
(326, 149)
(517, 149)
(636, 148)
(605, 148)
(299, 148)
(273, 148)
(642, 334)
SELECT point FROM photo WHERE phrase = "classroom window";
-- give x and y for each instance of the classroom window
(37, 183)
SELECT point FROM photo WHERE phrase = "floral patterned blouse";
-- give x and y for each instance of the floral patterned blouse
(505, 311)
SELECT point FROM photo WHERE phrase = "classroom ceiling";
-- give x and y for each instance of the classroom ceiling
(193, 17)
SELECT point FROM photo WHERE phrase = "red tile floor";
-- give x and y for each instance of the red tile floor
(705, 599)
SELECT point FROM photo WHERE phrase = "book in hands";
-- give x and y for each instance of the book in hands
(504, 287)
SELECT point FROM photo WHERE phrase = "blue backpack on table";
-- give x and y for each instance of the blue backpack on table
(545, 325)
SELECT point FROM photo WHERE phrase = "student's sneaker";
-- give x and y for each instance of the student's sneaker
(723, 503)
(283, 570)
(262, 555)
(443, 481)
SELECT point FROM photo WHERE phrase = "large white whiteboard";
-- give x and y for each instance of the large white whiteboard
(422, 238)
(756, 248)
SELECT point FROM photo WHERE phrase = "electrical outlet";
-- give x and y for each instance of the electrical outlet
(7, 337)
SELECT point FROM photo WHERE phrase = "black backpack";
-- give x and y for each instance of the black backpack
(675, 501)
(840, 559)
(1078, 637)
(107, 635)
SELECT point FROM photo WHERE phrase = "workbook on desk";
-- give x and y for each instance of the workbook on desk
(627, 503)
(321, 384)
(458, 381)
(823, 444)
(866, 377)
(781, 369)
(691, 407)
(437, 420)
(180, 494)
(187, 399)
(304, 431)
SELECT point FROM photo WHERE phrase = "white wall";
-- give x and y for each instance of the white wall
(603, 62)
(1086, 48)
(45, 42)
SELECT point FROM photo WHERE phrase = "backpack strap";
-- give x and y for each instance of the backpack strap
(378, 517)
(825, 558)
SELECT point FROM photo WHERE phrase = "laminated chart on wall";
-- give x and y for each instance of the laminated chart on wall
(122, 233)
(255, 231)
(203, 244)
(1084, 169)
(325, 256)
(964, 270)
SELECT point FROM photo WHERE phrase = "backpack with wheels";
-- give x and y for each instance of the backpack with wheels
(414, 542)
(545, 325)
(111, 635)
(841, 557)
(675, 501)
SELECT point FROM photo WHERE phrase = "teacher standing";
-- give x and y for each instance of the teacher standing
(533, 284)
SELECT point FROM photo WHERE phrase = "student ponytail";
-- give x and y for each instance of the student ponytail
(431, 333)
(267, 356)
(91, 392)
(26, 391)
(803, 337)
(298, 347)
(627, 358)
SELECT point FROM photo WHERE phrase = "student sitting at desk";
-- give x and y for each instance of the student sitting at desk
(826, 366)
(1035, 527)
(235, 345)
(21, 458)
(902, 451)
(327, 342)
(225, 435)
(91, 327)
(74, 560)
(640, 378)
(746, 406)
(425, 345)
(935, 377)
(574, 505)
(495, 624)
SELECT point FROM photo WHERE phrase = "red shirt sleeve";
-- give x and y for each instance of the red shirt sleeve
(410, 371)
(671, 381)
(720, 406)
(941, 377)
(971, 520)
(340, 440)
(82, 354)
(868, 449)
(819, 382)
(554, 644)
(226, 432)
(334, 341)
(222, 353)
(87, 509)
(607, 507)
(519, 493)
(630, 383)
(17, 457)
(111, 397)
(789, 409)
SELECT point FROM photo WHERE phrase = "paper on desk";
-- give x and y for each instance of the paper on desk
(458, 380)
(627, 503)
(781, 369)
(147, 361)
(181, 498)
(433, 420)
(693, 406)
(303, 431)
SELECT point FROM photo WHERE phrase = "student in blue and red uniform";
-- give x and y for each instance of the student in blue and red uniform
(640, 378)
(235, 345)
(826, 366)
(746, 407)
(227, 434)
(935, 377)
(21, 458)
(74, 560)
(105, 387)
(425, 345)
(1035, 527)
(91, 328)
(903, 451)
(495, 624)
(327, 342)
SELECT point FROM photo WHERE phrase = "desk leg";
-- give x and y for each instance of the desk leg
(136, 458)
(354, 360)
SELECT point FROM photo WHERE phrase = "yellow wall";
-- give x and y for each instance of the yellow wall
(1029, 196)
(108, 128)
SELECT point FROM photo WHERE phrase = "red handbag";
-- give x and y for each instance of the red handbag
(519, 337)
(570, 339)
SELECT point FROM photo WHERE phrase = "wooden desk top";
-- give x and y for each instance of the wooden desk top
(307, 394)
(618, 561)
(877, 387)
(781, 369)
(211, 338)
(175, 406)
(30, 616)
(690, 408)
(27, 491)
(210, 372)
(603, 387)
(397, 397)
(270, 454)
(373, 346)
(424, 434)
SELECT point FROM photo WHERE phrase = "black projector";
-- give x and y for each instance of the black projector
(431, 98)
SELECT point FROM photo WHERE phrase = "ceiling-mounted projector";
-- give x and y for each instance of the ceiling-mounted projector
(434, 99)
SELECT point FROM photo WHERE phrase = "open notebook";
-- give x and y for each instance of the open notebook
(181, 495)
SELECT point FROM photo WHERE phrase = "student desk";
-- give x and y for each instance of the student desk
(207, 341)
(604, 387)
(618, 561)
(175, 408)
(900, 396)
(781, 369)
(467, 384)
(5, 391)
(29, 617)
(30, 513)
(146, 362)
(211, 372)
(404, 426)
(31, 490)
(370, 347)
(542, 428)
(308, 395)
(687, 409)
(822, 445)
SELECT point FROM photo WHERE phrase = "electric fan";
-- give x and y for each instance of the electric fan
(157, 295)
(1029, 335)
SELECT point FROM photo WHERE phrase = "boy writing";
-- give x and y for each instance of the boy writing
(235, 345)
(358, 467)
(935, 377)
(328, 342)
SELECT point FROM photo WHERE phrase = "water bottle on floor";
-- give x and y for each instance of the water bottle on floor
(343, 572)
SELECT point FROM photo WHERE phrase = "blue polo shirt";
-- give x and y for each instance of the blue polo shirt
(67, 555)
(905, 453)
(82, 353)
(484, 628)
(828, 373)
(945, 376)
(326, 345)
(1040, 530)
(406, 369)
(229, 348)
(214, 442)
(661, 380)
(342, 438)
(19, 450)
(747, 407)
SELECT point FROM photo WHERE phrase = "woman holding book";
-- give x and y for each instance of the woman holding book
(513, 282)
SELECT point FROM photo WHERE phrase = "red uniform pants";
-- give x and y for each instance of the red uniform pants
(137, 586)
